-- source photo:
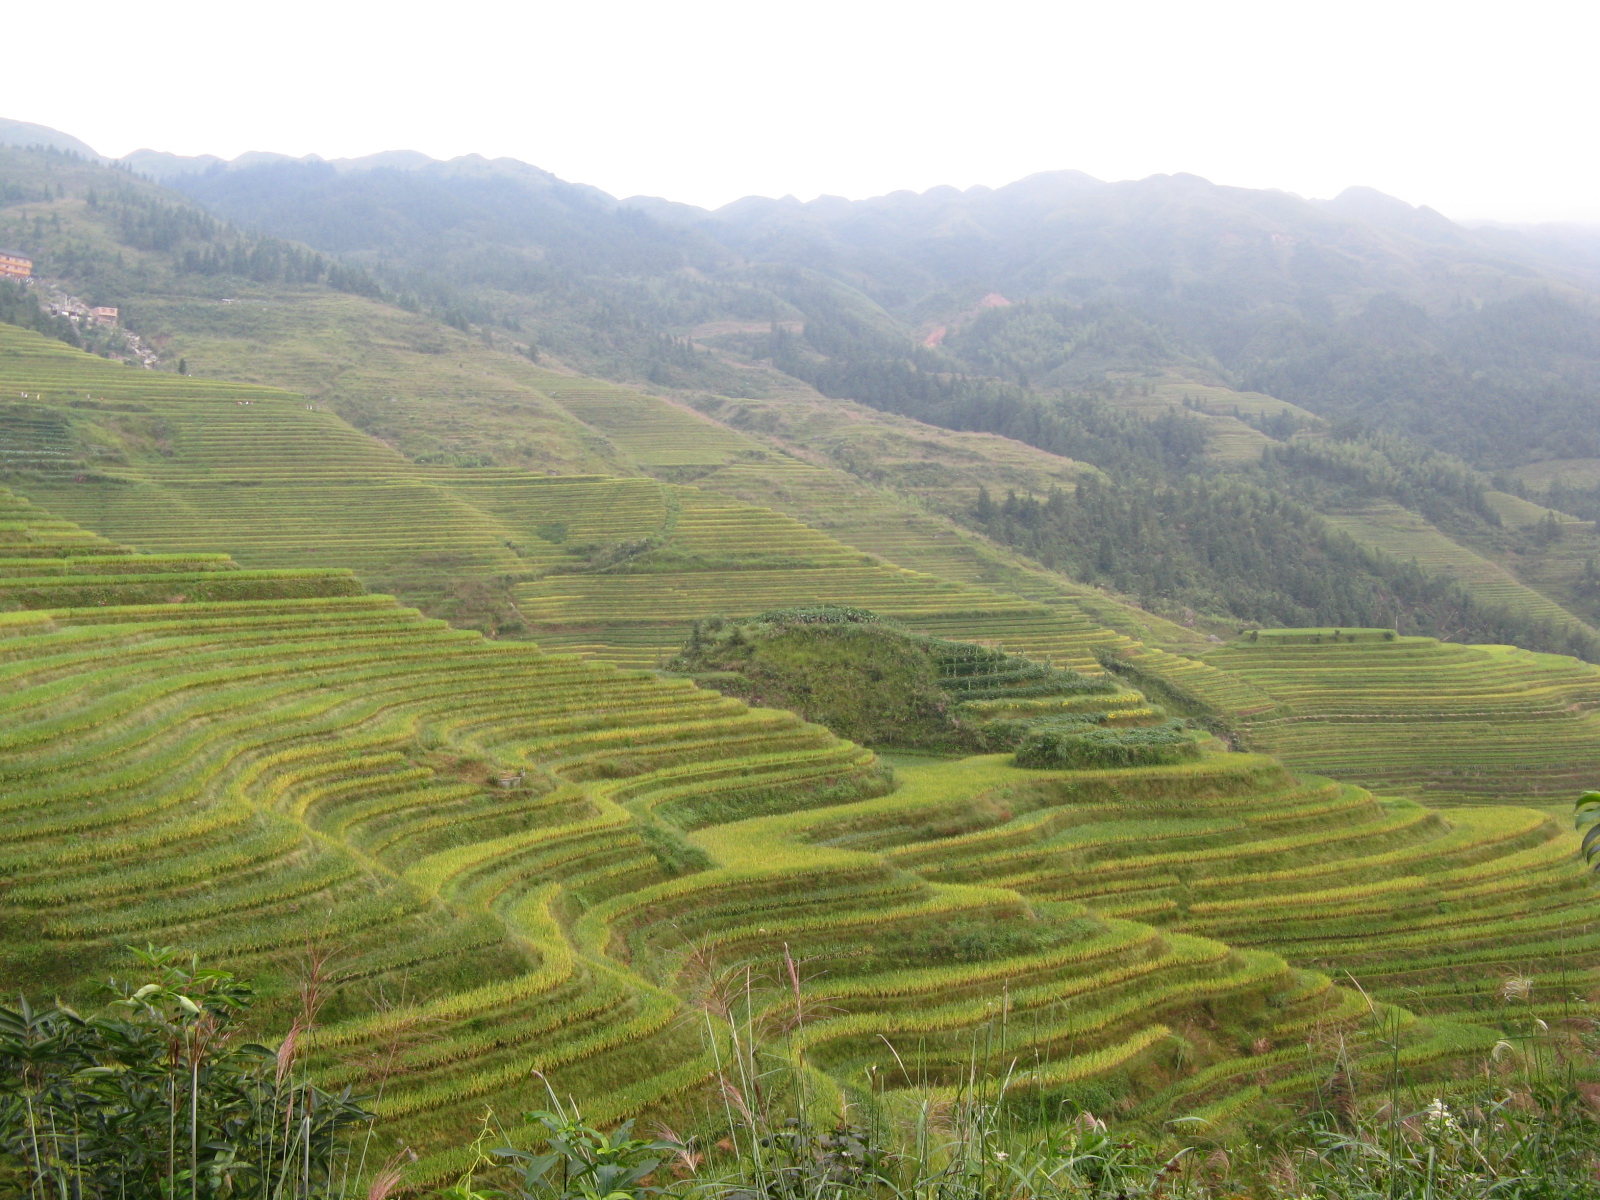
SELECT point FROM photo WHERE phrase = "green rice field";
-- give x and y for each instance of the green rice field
(1447, 723)
(532, 862)
(179, 465)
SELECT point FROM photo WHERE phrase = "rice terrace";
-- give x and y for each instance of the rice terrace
(630, 733)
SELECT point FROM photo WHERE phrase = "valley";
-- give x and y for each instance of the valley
(604, 670)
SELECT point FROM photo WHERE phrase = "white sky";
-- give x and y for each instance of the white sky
(1483, 110)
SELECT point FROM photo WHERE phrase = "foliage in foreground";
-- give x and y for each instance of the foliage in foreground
(159, 1096)
(1523, 1124)
(1517, 1139)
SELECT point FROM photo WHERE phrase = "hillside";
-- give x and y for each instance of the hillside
(1359, 306)
(528, 859)
(616, 566)
(522, 861)
(1079, 317)
(447, 400)
(868, 483)
(1446, 723)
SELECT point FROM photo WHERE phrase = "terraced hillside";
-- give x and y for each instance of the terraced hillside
(640, 619)
(898, 456)
(653, 432)
(176, 464)
(529, 862)
(894, 487)
(291, 761)
(1438, 721)
(1423, 909)
(1407, 536)
(487, 836)
(613, 568)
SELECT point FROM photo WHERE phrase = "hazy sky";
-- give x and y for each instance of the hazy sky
(1481, 110)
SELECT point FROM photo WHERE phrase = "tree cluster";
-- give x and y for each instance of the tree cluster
(1227, 547)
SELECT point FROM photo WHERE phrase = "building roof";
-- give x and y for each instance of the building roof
(15, 254)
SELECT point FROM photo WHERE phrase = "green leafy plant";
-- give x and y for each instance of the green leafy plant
(158, 1095)
(1085, 748)
(1586, 812)
(582, 1163)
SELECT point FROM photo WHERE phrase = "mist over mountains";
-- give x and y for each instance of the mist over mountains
(1483, 342)
(1382, 353)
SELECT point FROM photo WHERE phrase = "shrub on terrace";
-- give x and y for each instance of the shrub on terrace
(1088, 748)
(869, 680)
(865, 681)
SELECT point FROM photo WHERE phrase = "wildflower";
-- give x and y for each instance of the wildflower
(1440, 1119)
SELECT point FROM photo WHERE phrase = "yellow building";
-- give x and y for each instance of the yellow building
(15, 264)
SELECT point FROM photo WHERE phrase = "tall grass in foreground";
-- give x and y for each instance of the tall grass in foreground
(160, 1097)
(1520, 1125)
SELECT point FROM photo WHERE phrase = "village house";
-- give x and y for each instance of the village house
(104, 316)
(15, 264)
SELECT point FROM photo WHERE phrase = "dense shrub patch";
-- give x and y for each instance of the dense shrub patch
(1083, 749)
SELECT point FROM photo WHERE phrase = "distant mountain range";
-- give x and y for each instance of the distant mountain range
(23, 133)
(1236, 365)
(1481, 341)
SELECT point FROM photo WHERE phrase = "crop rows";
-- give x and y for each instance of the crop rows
(1447, 722)
(244, 776)
(241, 775)
(1409, 537)
(1198, 682)
(651, 430)
(485, 834)
(878, 526)
(645, 617)
(194, 466)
